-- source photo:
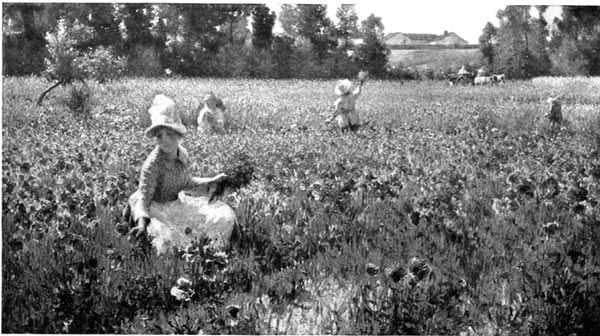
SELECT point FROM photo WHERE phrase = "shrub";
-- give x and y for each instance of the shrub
(102, 64)
(66, 63)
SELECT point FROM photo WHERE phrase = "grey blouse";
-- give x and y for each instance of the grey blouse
(162, 179)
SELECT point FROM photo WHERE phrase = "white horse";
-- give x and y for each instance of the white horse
(484, 80)
(498, 78)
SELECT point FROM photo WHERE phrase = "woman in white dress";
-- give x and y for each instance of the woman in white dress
(161, 207)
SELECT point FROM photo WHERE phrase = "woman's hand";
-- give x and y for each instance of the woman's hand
(216, 186)
(219, 178)
(140, 230)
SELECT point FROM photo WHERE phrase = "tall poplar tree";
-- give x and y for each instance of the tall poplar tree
(373, 53)
(263, 20)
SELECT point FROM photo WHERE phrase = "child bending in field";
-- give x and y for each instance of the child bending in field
(345, 105)
(212, 116)
(159, 207)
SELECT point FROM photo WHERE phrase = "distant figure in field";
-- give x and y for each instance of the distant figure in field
(463, 71)
(555, 114)
(212, 116)
(345, 105)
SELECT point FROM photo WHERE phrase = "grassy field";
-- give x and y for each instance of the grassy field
(435, 58)
(454, 210)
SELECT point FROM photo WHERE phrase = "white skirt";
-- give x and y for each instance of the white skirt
(176, 223)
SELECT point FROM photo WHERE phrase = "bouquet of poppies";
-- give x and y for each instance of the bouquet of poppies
(239, 171)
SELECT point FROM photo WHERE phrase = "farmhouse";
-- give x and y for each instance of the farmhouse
(402, 39)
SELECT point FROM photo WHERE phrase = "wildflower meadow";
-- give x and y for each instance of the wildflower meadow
(452, 210)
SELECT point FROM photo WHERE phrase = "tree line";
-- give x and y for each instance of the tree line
(217, 40)
(237, 40)
(525, 45)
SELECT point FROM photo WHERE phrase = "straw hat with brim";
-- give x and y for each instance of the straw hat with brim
(163, 114)
(343, 87)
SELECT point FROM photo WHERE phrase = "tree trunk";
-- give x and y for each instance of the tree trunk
(39, 102)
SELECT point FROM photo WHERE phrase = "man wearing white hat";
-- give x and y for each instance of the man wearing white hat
(159, 206)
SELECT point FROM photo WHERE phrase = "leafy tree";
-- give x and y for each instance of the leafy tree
(22, 39)
(101, 17)
(576, 42)
(193, 36)
(568, 60)
(347, 25)
(137, 19)
(541, 65)
(66, 63)
(373, 54)
(263, 20)
(310, 22)
(283, 48)
(521, 51)
(316, 27)
(289, 18)
(235, 21)
(486, 43)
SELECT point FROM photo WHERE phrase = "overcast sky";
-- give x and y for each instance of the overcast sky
(465, 18)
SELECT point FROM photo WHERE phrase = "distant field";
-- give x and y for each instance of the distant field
(432, 58)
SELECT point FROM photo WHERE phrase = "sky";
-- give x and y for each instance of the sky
(465, 18)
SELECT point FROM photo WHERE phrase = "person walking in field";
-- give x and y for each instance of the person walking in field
(163, 207)
(345, 105)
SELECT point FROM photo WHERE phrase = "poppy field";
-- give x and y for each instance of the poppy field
(453, 210)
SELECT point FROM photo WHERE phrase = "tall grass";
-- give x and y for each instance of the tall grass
(453, 209)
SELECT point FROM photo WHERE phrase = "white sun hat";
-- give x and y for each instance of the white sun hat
(342, 87)
(163, 114)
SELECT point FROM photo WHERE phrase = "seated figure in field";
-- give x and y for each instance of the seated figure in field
(212, 117)
(170, 203)
(345, 105)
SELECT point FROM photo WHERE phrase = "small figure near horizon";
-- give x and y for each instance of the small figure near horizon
(463, 71)
(345, 105)
(555, 114)
(212, 116)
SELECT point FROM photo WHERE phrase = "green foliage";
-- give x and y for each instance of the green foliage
(67, 63)
(62, 63)
(486, 43)
(102, 65)
(373, 54)
(347, 26)
(576, 40)
(522, 51)
(263, 20)
(568, 60)
(452, 210)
